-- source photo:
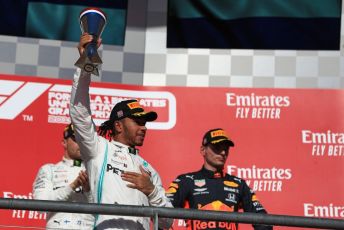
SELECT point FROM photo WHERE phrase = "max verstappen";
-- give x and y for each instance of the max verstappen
(211, 189)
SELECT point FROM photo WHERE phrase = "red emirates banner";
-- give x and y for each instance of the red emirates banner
(289, 143)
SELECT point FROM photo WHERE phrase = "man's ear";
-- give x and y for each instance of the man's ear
(118, 126)
(64, 143)
(202, 150)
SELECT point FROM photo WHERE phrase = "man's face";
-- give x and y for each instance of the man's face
(215, 155)
(134, 131)
(72, 148)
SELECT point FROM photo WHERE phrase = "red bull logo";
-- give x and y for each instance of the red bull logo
(254, 198)
(171, 190)
(199, 224)
(174, 185)
(216, 206)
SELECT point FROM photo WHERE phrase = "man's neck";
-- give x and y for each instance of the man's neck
(120, 140)
(212, 168)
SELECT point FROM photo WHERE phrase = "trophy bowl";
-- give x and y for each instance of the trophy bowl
(92, 21)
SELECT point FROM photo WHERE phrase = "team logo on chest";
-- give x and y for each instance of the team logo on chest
(199, 183)
(231, 198)
(200, 189)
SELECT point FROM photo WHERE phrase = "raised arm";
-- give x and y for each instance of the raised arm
(80, 112)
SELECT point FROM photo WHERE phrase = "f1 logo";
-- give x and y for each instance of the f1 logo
(15, 96)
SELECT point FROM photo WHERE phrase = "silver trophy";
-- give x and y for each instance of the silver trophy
(92, 21)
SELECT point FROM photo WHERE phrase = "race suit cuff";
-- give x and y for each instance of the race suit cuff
(153, 194)
(156, 198)
(64, 193)
(89, 197)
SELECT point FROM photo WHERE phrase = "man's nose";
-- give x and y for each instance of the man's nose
(223, 152)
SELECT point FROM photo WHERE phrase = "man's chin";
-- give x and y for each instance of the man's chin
(139, 143)
(220, 165)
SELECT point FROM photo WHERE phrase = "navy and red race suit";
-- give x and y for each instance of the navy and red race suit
(207, 190)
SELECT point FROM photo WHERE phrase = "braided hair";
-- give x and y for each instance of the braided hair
(106, 129)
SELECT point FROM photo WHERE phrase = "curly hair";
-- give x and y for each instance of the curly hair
(107, 130)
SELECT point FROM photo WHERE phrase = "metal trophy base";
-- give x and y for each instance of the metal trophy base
(88, 65)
